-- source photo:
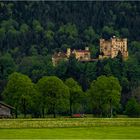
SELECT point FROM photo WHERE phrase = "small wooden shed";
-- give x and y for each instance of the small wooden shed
(5, 110)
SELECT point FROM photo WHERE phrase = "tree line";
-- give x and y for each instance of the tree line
(51, 95)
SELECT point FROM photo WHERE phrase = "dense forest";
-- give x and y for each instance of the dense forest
(30, 32)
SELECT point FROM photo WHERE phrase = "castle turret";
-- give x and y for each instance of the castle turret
(101, 44)
(87, 48)
(68, 52)
(101, 41)
(125, 44)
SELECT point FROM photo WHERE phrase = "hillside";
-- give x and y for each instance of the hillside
(30, 32)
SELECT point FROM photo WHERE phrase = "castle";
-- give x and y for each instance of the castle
(108, 49)
(80, 55)
(111, 48)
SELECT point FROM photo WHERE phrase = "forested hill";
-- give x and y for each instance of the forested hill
(47, 26)
(31, 31)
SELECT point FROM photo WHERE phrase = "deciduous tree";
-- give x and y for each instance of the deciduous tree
(105, 95)
(75, 93)
(20, 92)
(55, 94)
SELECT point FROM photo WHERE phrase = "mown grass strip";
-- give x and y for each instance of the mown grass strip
(73, 133)
(67, 122)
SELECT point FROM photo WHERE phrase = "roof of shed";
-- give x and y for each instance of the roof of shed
(4, 104)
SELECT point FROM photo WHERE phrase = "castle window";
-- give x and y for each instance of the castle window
(105, 48)
(86, 56)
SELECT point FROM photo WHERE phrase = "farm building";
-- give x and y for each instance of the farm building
(5, 110)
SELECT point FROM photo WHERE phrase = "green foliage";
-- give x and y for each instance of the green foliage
(132, 108)
(20, 92)
(116, 132)
(54, 95)
(37, 26)
(69, 29)
(30, 32)
(125, 32)
(7, 66)
(32, 66)
(49, 35)
(90, 34)
(9, 24)
(35, 67)
(107, 70)
(75, 93)
(33, 51)
(73, 67)
(135, 46)
(61, 69)
(24, 28)
(94, 50)
(2, 34)
(109, 31)
(105, 95)
(136, 94)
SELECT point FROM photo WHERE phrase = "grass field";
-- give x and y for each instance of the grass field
(67, 128)
(73, 133)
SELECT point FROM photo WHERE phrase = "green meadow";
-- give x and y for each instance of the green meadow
(70, 128)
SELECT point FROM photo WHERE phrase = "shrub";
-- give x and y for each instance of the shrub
(132, 108)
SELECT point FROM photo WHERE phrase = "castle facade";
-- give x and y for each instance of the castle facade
(108, 49)
(111, 48)
(80, 55)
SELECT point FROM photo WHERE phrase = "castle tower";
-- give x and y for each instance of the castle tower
(68, 52)
(101, 44)
(111, 47)
(113, 41)
(125, 44)
(87, 48)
